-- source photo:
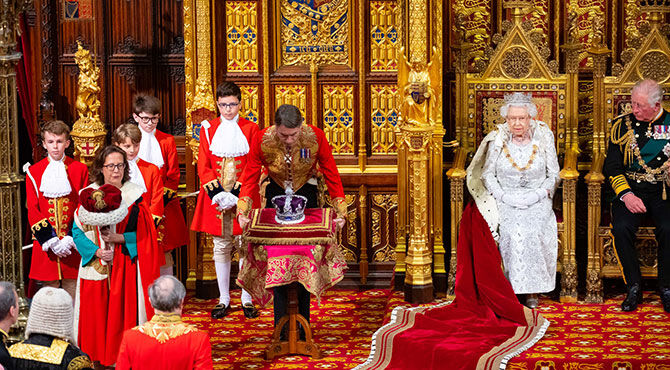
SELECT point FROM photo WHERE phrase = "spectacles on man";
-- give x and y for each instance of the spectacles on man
(227, 105)
(112, 167)
(146, 119)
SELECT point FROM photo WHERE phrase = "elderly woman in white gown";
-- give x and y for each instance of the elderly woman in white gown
(512, 178)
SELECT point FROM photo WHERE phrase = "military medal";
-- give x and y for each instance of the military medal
(305, 154)
(660, 132)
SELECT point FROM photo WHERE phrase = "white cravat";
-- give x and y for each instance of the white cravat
(135, 174)
(229, 141)
(54, 183)
(150, 150)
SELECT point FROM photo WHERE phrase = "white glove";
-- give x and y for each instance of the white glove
(49, 244)
(515, 200)
(68, 242)
(224, 200)
(61, 249)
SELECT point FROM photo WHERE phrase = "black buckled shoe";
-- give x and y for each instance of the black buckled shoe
(250, 312)
(633, 298)
(665, 298)
(220, 310)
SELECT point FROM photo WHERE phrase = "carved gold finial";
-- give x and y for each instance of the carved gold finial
(519, 9)
(88, 131)
(598, 26)
(656, 10)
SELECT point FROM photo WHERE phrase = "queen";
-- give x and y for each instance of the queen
(512, 178)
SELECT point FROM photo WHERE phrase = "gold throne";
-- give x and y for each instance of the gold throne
(519, 63)
(647, 56)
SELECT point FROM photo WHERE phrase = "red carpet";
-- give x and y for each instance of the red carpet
(581, 336)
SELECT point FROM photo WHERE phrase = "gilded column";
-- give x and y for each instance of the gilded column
(191, 184)
(594, 179)
(11, 266)
(569, 173)
(456, 174)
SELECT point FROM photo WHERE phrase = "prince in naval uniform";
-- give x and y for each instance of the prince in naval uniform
(637, 168)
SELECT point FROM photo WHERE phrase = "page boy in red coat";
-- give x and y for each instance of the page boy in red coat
(224, 144)
(142, 173)
(159, 148)
(52, 195)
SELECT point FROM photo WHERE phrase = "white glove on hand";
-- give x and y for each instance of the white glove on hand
(224, 200)
(515, 200)
(529, 198)
(49, 244)
(61, 249)
(68, 242)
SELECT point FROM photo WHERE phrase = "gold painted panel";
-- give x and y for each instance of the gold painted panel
(585, 10)
(384, 212)
(477, 24)
(291, 94)
(384, 36)
(384, 103)
(538, 17)
(339, 117)
(314, 31)
(249, 108)
(585, 125)
(242, 36)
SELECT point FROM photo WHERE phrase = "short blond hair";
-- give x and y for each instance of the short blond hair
(127, 130)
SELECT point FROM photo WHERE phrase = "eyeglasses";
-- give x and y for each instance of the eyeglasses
(112, 167)
(227, 105)
(146, 119)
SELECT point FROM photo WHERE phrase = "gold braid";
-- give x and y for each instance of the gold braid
(623, 141)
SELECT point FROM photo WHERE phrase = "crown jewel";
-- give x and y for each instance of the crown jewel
(290, 208)
(518, 98)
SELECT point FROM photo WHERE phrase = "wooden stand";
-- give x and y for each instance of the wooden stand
(293, 346)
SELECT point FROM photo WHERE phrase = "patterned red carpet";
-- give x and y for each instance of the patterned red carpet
(581, 336)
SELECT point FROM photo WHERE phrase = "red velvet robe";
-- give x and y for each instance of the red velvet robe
(210, 170)
(165, 343)
(172, 229)
(311, 153)
(46, 266)
(105, 308)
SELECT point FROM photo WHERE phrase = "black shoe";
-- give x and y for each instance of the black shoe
(250, 312)
(665, 298)
(633, 298)
(220, 311)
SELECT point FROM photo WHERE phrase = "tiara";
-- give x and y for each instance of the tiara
(518, 98)
(290, 209)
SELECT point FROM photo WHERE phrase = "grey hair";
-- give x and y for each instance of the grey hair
(7, 298)
(166, 293)
(651, 88)
(530, 108)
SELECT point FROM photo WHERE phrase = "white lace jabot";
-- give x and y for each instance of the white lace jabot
(54, 183)
(135, 174)
(229, 141)
(150, 150)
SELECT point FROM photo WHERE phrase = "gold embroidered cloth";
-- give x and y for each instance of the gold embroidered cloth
(282, 258)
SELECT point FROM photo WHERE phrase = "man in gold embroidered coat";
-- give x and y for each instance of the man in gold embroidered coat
(165, 342)
(293, 154)
(50, 335)
(637, 168)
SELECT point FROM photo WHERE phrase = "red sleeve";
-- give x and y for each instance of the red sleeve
(252, 171)
(122, 361)
(32, 201)
(171, 165)
(203, 360)
(156, 184)
(328, 167)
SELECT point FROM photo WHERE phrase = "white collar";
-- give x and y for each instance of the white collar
(150, 149)
(229, 140)
(135, 173)
(55, 182)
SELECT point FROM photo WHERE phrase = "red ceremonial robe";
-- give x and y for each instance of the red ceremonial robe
(49, 217)
(310, 154)
(165, 343)
(482, 328)
(210, 170)
(109, 302)
(153, 198)
(172, 228)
